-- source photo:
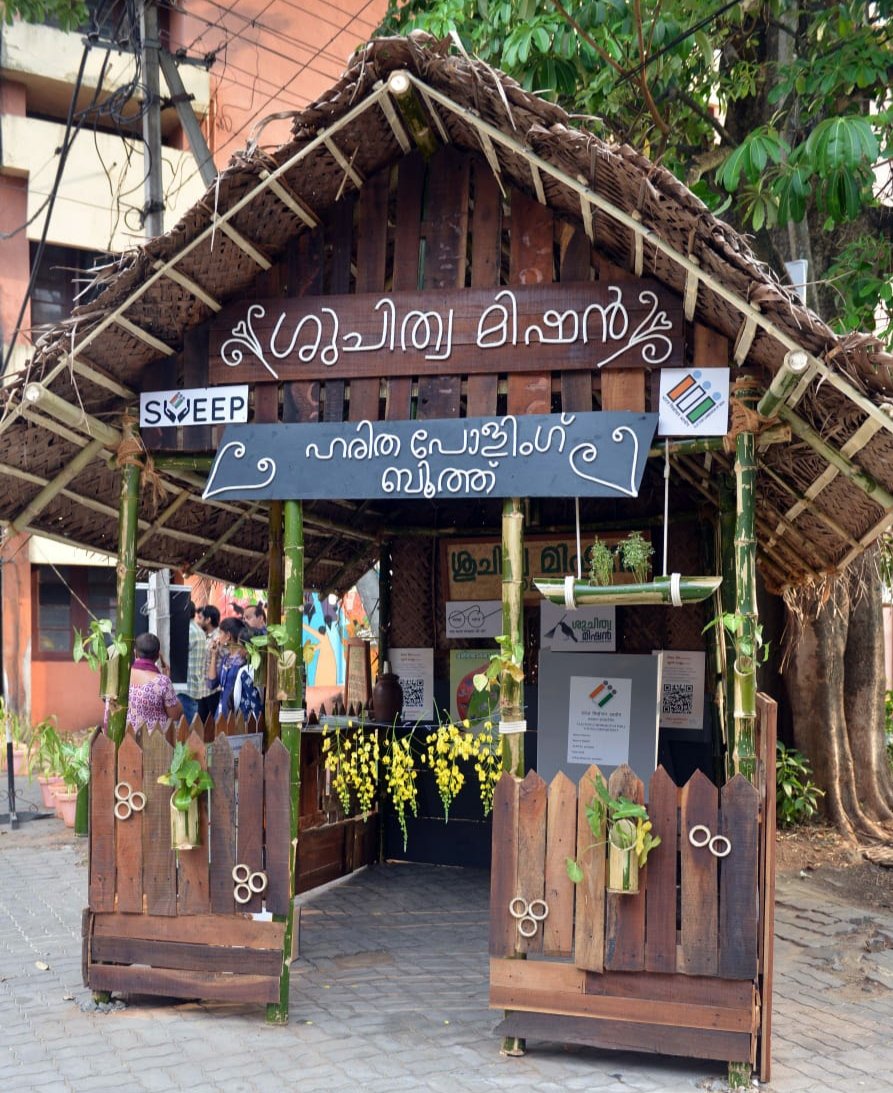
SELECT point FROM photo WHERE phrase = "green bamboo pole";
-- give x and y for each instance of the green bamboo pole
(744, 668)
(128, 532)
(726, 605)
(511, 691)
(274, 617)
(291, 682)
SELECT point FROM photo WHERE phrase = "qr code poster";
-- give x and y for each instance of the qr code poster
(415, 667)
(682, 690)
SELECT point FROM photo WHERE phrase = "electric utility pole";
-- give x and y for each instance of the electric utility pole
(153, 210)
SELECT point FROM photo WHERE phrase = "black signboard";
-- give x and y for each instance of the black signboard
(537, 455)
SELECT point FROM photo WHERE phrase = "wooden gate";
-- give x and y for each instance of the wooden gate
(679, 968)
(168, 922)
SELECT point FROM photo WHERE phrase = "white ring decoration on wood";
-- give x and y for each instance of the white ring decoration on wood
(248, 883)
(711, 841)
(676, 589)
(128, 800)
(570, 601)
(291, 717)
(528, 915)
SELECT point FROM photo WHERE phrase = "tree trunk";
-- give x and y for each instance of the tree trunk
(836, 682)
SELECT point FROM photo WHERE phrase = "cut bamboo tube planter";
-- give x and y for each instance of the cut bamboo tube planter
(691, 590)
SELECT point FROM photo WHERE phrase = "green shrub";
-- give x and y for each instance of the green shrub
(796, 795)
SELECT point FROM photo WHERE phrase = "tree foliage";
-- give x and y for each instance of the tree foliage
(775, 113)
(65, 14)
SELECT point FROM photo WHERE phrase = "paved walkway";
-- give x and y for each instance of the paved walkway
(390, 994)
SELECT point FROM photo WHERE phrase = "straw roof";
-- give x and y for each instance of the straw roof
(823, 497)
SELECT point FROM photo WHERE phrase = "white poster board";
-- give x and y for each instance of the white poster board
(598, 723)
(590, 629)
(473, 618)
(415, 667)
(693, 402)
(682, 690)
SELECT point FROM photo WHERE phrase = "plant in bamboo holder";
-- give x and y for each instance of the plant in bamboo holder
(189, 780)
(635, 555)
(103, 652)
(601, 563)
(629, 839)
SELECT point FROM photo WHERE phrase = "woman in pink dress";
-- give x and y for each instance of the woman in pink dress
(151, 700)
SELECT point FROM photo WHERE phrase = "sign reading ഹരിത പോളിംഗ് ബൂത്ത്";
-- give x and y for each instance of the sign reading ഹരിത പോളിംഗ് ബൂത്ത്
(595, 454)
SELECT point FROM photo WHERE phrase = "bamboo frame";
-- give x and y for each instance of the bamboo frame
(293, 609)
(744, 668)
(658, 591)
(131, 474)
(511, 691)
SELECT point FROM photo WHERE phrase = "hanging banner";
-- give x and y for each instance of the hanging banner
(589, 324)
(694, 402)
(536, 455)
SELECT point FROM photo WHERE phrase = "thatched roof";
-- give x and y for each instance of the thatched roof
(823, 497)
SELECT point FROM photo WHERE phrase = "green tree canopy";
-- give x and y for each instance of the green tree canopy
(66, 14)
(775, 113)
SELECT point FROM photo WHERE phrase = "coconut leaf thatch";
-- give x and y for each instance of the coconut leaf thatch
(270, 225)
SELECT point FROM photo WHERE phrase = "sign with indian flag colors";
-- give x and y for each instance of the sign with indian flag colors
(694, 402)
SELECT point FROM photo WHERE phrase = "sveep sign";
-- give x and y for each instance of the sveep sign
(197, 406)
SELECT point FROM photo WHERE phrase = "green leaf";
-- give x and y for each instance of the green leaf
(573, 870)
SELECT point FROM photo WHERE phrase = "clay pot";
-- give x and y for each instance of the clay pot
(387, 696)
(66, 804)
(49, 783)
(19, 759)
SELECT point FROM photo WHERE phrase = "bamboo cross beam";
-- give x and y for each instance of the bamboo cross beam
(784, 382)
(37, 394)
(52, 489)
(804, 503)
(856, 475)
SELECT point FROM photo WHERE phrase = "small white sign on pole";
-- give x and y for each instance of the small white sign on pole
(195, 406)
(693, 402)
(473, 618)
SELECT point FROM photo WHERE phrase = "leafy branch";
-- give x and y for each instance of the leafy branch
(509, 660)
(98, 644)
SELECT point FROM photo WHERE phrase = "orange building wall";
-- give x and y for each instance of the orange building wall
(67, 691)
(276, 58)
(14, 252)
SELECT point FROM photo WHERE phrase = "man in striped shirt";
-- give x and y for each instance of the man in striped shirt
(197, 667)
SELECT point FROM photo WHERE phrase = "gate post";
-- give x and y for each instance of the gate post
(291, 715)
(130, 462)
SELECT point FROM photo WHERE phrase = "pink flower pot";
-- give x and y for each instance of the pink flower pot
(66, 803)
(48, 786)
(19, 760)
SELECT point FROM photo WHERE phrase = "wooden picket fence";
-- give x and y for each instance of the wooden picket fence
(165, 922)
(682, 967)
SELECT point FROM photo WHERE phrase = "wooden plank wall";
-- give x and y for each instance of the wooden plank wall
(536, 827)
(161, 921)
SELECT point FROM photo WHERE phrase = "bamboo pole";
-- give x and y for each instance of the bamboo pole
(413, 113)
(511, 690)
(128, 526)
(291, 681)
(274, 618)
(784, 382)
(744, 667)
(725, 604)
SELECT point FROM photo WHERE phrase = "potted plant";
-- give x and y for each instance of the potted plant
(635, 555)
(629, 839)
(13, 728)
(75, 764)
(601, 563)
(189, 780)
(45, 756)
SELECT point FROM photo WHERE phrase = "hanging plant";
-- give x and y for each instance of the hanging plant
(488, 764)
(400, 778)
(601, 563)
(446, 746)
(351, 756)
(635, 555)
